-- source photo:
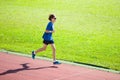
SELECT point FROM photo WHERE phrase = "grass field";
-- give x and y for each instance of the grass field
(87, 31)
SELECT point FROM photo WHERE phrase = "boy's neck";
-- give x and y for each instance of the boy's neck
(51, 21)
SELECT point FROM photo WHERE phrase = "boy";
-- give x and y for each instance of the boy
(47, 39)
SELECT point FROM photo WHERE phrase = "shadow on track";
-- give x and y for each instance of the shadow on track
(25, 67)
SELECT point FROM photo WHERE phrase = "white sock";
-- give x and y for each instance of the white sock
(54, 60)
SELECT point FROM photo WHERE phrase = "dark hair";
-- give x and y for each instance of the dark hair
(51, 16)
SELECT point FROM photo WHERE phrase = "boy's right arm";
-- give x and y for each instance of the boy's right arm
(47, 31)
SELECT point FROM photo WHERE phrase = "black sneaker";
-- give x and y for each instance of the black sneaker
(33, 54)
(56, 62)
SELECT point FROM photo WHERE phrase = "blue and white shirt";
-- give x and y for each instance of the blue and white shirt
(48, 36)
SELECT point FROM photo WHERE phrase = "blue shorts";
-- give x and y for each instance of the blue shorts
(48, 42)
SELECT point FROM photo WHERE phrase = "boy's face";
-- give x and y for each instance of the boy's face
(53, 19)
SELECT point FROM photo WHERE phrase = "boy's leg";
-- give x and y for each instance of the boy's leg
(54, 54)
(54, 51)
(41, 49)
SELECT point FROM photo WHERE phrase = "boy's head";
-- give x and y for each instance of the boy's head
(52, 18)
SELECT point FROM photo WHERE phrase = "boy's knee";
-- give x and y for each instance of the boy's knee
(54, 49)
(44, 49)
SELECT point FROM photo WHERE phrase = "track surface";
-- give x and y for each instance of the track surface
(14, 67)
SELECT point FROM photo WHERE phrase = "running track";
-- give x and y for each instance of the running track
(14, 67)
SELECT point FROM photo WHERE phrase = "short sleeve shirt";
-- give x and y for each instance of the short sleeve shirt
(48, 36)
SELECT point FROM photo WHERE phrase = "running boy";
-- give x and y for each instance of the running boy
(47, 39)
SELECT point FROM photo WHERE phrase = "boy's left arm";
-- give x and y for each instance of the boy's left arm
(50, 29)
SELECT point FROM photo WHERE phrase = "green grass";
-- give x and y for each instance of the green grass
(87, 31)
